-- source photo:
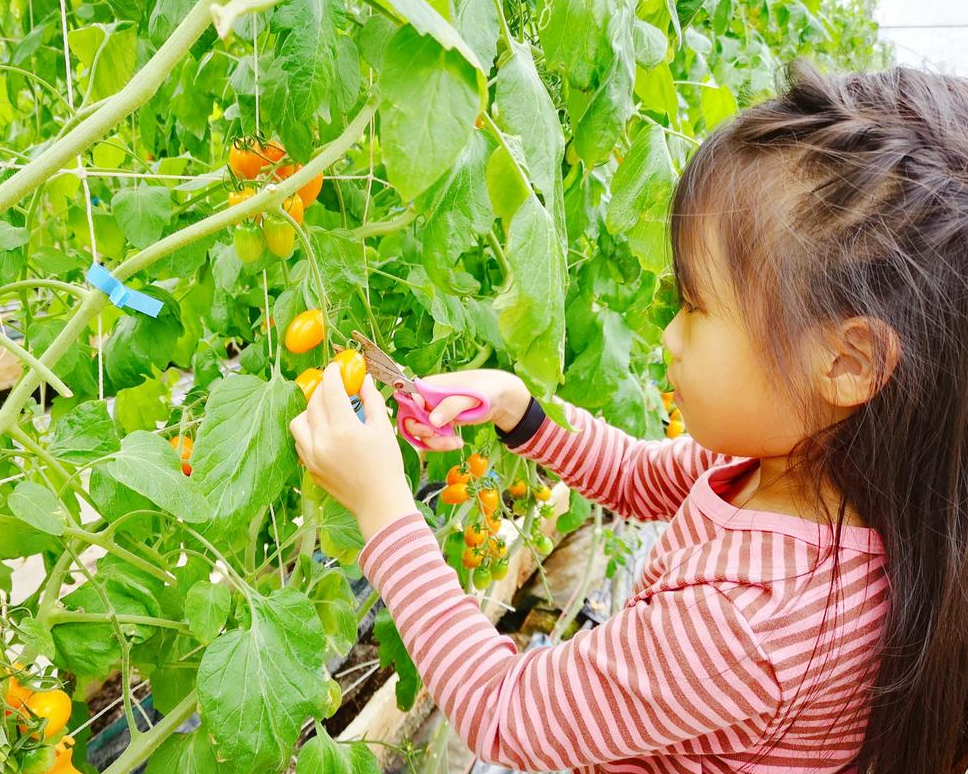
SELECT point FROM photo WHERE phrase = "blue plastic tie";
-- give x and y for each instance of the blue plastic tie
(120, 294)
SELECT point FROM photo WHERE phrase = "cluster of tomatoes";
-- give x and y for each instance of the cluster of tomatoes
(306, 332)
(44, 747)
(676, 426)
(250, 160)
(485, 553)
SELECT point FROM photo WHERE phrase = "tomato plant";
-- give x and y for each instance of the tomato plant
(497, 176)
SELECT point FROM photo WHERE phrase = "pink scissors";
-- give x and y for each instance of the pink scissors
(383, 369)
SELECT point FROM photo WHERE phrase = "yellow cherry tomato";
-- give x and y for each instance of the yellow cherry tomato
(54, 705)
(475, 535)
(294, 206)
(518, 489)
(542, 493)
(471, 558)
(184, 446)
(306, 331)
(308, 381)
(352, 367)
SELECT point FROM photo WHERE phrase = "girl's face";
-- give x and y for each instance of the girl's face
(726, 398)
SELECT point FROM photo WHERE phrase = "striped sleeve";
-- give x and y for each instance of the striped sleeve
(644, 479)
(680, 665)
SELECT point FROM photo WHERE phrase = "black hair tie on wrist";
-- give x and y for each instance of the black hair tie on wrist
(525, 429)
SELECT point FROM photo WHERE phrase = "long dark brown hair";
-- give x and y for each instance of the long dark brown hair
(847, 196)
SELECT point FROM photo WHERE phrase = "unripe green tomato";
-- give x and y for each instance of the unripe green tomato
(279, 234)
(499, 569)
(249, 242)
(37, 761)
(543, 545)
(482, 577)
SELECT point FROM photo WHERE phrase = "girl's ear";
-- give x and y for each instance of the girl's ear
(859, 357)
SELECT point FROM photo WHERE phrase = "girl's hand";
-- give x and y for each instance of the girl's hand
(508, 396)
(357, 463)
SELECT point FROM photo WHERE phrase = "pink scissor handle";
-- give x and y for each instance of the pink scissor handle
(407, 409)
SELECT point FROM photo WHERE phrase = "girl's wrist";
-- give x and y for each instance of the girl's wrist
(515, 399)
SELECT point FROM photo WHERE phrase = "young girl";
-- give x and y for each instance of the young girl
(807, 607)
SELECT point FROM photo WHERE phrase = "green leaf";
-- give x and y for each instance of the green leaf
(207, 609)
(36, 635)
(658, 92)
(190, 753)
(165, 17)
(458, 213)
(12, 237)
(17, 539)
(340, 256)
(427, 115)
(144, 406)
(578, 512)
(650, 43)
(90, 649)
(257, 686)
(427, 21)
(37, 506)
(532, 311)
(718, 104)
(148, 465)
(526, 109)
(139, 342)
(477, 22)
(321, 754)
(107, 232)
(644, 180)
(298, 81)
(84, 434)
(574, 40)
(110, 51)
(393, 651)
(339, 532)
(507, 186)
(242, 466)
(142, 213)
(335, 604)
(602, 363)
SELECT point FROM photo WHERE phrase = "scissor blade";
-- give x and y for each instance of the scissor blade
(381, 366)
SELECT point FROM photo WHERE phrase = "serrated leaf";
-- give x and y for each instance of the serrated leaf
(339, 532)
(478, 23)
(526, 110)
(36, 635)
(142, 212)
(84, 434)
(139, 342)
(148, 465)
(242, 466)
(322, 755)
(37, 506)
(643, 180)
(650, 43)
(574, 40)
(393, 651)
(207, 607)
(341, 262)
(335, 605)
(532, 311)
(427, 21)
(257, 686)
(427, 115)
(190, 753)
(110, 50)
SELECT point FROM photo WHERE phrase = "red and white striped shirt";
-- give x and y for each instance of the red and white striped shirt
(733, 652)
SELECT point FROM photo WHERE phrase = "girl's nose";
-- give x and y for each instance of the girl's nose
(671, 338)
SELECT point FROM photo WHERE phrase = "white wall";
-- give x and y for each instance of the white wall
(932, 34)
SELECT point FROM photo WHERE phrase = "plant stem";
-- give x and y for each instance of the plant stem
(99, 540)
(134, 94)
(140, 748)
(63, 616)
(380, 227)
(367, 606)
(66, 287)
(505, 29)
(501, 256)
(43, 371)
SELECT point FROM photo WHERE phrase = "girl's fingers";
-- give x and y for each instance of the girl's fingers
(449, 408)
(374, 406)
(333, 396)
(299, 427)
(443, 443)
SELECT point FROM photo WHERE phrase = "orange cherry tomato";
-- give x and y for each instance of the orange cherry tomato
(475, 535)
(676, 426)
(457, 476)
(184, 446)
(54, 705)
(294, 206)
(489, 500)
(493, 522)
(667, 400)
(308, 381)
(306, 331)
(471, 558)
(245, 162)
(17, 694)
(477, 464)
(352, 367)
(455, 494)
(542, 493)
(273, 151)
(496, 547)
(518, 489)
(308, 192)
